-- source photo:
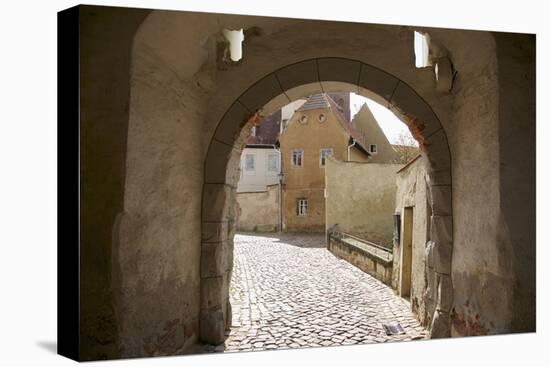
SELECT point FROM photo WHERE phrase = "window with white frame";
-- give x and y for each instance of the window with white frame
(297, 157)
(301, 207)
(373, 149)
(324, 153)
(253, 131)
(273, 163)
(249, 162)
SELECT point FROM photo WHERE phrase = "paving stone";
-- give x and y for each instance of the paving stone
(288, 291)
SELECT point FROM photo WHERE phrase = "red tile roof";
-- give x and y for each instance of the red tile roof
(267, 131)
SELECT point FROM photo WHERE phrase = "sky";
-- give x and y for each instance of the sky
(389, 123)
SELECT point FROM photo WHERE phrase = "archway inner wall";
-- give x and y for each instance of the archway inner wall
(180, 91)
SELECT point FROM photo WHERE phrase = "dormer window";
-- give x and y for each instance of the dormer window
(303, 119)
(322, 117)
(373, 149)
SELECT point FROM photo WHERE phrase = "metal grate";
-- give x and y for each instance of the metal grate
(393, 329)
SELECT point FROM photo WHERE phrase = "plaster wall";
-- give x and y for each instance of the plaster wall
(258, 211)
(360, 199)
(368, 127)
(412, 191)
(258, 179)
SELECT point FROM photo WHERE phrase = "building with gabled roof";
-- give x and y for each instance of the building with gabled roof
(319, 128)
(372, 136)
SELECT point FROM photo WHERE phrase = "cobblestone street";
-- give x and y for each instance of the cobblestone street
(289, 291)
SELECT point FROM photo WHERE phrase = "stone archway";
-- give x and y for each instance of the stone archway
(272, 92)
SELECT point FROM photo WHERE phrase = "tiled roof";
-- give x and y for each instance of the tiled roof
(314, 102)
(267, 130)
(354, 134)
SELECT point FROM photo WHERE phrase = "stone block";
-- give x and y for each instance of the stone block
(380, 271)
(339, 70)
(215, 231)
(275, 104)
(218, 203)
(212, 326)
(431, 286)
(338, 87)
(217, 158)
(228, 315)
(437, 152)
(411, 104)
(297, 74)
(441, 229)
(430, 309)
(440, 327)
(430, 254)
(231, 124)
(442, 258)
(441, 199)
(371, 266)
(261, 93)
(377, 81)
(302, 91)
(444, 292)
(438, 176)
(212, 291)
(214, 259)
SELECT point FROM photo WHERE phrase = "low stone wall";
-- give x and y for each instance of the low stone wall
(373, 260)
(258, 211)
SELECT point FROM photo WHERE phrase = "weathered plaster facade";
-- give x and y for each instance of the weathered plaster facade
(157, 227)
(412, 192)
(260, 177)
(306, 132)
(360, 199)
(258, 211)
(366, 124)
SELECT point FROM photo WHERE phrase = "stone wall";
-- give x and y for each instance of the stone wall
(105, 59)
(367, 257)
(360, 199)
(157, 225)
(258, 211)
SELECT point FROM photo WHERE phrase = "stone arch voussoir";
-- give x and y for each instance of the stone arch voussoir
(274, 91)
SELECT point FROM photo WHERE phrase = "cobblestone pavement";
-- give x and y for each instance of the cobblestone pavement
(289, 291)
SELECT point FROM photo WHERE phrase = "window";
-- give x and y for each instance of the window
(297, 158)
(303, 119)
(373, 149)
(249, 162)
(273, 163)
(322, 117)
(325, 152)
(421, 50)
(301, 207)
(253, 131)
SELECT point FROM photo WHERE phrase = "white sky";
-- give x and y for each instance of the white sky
(389, 123)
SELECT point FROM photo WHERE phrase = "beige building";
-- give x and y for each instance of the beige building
(373, 137)
(316, 130)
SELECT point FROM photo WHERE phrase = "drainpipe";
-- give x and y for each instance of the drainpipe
(349, 149)
(279, 174)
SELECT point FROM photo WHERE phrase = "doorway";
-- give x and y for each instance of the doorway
(406, 253)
